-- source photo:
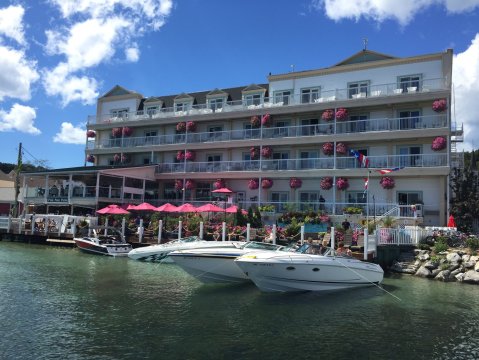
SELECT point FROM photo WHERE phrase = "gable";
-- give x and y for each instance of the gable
(117, 90)
(364, 56)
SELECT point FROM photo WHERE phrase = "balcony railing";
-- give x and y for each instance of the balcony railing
(342, 162)
(325, 129)
(325, 96)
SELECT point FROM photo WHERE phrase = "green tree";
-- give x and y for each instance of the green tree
(465, 198)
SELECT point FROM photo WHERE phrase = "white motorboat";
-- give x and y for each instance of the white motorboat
(216, 265)
(104, 241)
(160, 252)
(299, 271)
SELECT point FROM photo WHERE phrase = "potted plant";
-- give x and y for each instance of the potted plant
(181, 127)
(328, 115)
(266, 183)
(255, 122)
(328, 148)
(116, 132)
(266, 151)
(439, 143)
(189, 184)
(178, 184)
(90, 134)
(387, 182)
(127, 131)
(190, 155)
(90, 158)
(295, 183)
(341, 148)
(342, 183)
(439, 105)
(254, 153)
(218, 184)
(326, 183)
(190, 126)
(253, 184)
(341, 114)
(116, 158)
(180, 155)
(352, 210)
(266, 120)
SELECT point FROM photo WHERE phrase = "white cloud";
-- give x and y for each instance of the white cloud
(19, 118)
(70, 134)
(17, 74)
(381, 10)
(465, 78)
(11, 23)
(132, 54)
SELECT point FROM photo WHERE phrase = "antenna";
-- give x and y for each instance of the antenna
(365, 43)
(292, 67)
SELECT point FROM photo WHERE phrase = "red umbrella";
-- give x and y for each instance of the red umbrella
(451, 222)
(143, 207)
(233, 209)
(166, 208)
(223, 191)
(209, 208)
(185, 208)
(112, 210)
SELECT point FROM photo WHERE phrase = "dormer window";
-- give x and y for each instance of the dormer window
(214, 104)
(282, 97)
(119, 113)
(183, 102)
(358, 89)
(216, 99)
(182, 106)
(253, 95)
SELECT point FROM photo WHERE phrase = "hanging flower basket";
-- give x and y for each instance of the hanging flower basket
(328, 115)
(254, 153)
(90, 158)
(191, 126)
(180, 155)
(342, 183)
(255, 122)
(116, 132)
(295, 183)
(127, 131)
(439, 143)
(190, 155)
(218, 184)
(190, 184)
(341, 114)
(328, 148)
(326, 183)
(178, 185)
(181, 127)
(341, 148)
(116, 158)
(253, 184)
(439, 105)
(324, 218)
(125, 159)
(90, 134)
(267, 151)
(266, 183)
(266, 120)
(387, 182)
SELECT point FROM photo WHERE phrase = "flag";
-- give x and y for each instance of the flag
(363, 159)
(387, 171)
(366, 183)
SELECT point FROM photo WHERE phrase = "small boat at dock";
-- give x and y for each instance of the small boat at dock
(104, 241)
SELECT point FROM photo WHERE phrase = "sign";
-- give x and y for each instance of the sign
(57, 199)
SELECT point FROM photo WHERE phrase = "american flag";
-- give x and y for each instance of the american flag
(387, 171)
(366, 183)
(363, 159)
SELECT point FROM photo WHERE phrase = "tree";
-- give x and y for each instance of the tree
(465, 198)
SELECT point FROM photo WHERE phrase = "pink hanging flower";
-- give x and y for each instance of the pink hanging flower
(439, 105)
(342, 183)
(295, 183)
(190, 184)
(439, 143)
(387, 182)
(328, 148)
(324, 218)
(90, 158)
(341, 114)
(180, 155)
(341, 148)
(267, 151)
(125, 159)
(181, 127)
(90, 134)
(191, 126)
(328, 115)
(266, 183)
(326, 183)
(127, 131)
(218, 184)
(255, 122)
(254, 153)
(253, 184)
(190, 155)
(116, 132)
(266, 120)
(116, 158)
(178, 184)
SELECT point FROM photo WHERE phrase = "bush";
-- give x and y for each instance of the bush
(422, 246)
(440, 245)
(472, 243)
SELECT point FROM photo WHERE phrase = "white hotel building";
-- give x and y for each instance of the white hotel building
(389, 117)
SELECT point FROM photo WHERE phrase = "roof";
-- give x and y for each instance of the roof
(364, 56)
(79, 169)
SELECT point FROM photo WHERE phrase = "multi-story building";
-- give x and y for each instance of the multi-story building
(295, 140)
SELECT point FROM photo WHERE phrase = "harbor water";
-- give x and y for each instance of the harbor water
(58, 303)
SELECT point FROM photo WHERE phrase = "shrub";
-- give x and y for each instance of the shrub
(472, 243)
(440, 245)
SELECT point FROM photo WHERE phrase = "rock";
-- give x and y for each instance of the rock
(434, 272)
(423, 257)
(476, 267)
(474, 258)
(423, 272)
(466, 257)
(471, 277)
(469, 264)
(454, 266)
(431, 265)
(460, 277)
(453, 257)
(403, 267)
(455, 272)
(444, 275)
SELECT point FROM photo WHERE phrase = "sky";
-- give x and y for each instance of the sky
(58, 56)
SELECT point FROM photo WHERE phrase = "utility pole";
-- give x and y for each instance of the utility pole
(18, 168)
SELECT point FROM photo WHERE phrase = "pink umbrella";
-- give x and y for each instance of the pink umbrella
(112, 210)
(143, 207)
(223, 191)
(185, 208)
(209, 208)
(166, 208)
(233, 209)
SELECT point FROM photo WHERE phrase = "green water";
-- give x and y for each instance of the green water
(58, 303)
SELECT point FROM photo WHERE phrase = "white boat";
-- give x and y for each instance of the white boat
(104, 241)
(160, 252)
(299, 271)
(216, 265)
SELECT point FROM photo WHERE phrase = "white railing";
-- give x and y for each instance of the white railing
(410, 235)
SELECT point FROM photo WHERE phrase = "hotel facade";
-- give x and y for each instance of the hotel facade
(303, 140)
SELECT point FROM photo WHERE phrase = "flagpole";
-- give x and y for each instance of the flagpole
(367, 201)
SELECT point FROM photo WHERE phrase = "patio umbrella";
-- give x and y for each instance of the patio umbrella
(233, 209)
(451, 222)
(223, 191)
(143, 207)
(209, 208)
(186, 208)
(112, 210)
(166, 208)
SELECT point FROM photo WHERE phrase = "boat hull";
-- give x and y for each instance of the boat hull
(309, 273)
(109, 249)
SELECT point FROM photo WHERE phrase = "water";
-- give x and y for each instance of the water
(58, 303)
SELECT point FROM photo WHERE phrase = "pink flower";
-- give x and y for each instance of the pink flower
(90, 134)
(125, 159)
(254, 153)
(116, 158)
(181, 127)
(191, 126)
(266, 183)
(219, 183)
(127, 131)
(439, 143)
(342, 183)
(178, 184)
(190, 155)
(439, 105)
(266, 151)
(326, 183)
(253, 184)
(341, 114)
(387, 182)
(341, 148)
(255, 122)
(266, 120)
(295, 183)
(328, 148)
(180, 155)
(190, 184)
(328, 115)
(90, 158)
(116, 132)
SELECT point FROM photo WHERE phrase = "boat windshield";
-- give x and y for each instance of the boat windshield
(313, 249)
(260, 246)
(190, 239)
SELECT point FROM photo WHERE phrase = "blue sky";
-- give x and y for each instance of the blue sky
(58, 56)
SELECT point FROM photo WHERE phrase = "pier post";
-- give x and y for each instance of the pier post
(201, 230)
(9, 223)
(366, 243)
(302, 234)
(74, 227)
(248, 228)
(123, 227)
(274, 234)
(180, 225)
(47, 221)
(140, 231)
(332, 237)
(223, 235)
(160, 230)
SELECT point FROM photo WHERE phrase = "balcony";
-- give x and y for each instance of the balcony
(323, 129)
(324, 163)
(326, 96)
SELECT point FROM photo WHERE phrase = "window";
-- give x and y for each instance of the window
(358, 123)
(309, 200)
(182, 106)
(281, 128)
(409, 119)
(356, 197)
(151, 110)
(279, 200)
(309, 95)
(408, 198)
(282, 97)
(121, 113)
(308, 159)
(214, 158)
(309, 127)
(202, 191)
(216, 103)
(252, 99)
(281, 158)
(146, 161)
(410, 83)
(409, 155)
(358, 89)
